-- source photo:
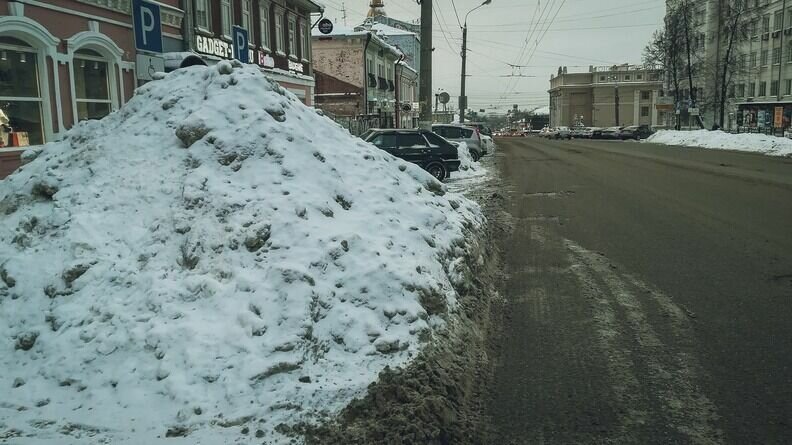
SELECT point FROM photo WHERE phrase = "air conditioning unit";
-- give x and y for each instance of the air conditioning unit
(788, 31)
(776, 34)
(766, 36)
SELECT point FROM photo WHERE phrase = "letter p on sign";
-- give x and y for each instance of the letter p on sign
(240, 36)
(148, 26)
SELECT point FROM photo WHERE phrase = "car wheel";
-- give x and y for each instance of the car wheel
(437, 170)
(475, 155)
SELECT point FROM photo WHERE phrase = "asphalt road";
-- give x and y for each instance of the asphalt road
(648, 296)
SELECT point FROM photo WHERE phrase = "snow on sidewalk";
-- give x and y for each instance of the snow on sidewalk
(212, 259)
(758, 143)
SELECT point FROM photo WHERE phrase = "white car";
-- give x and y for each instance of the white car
(562, 133)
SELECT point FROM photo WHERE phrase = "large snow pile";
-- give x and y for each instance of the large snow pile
(759, 143)
(210, 261)
(467, 167)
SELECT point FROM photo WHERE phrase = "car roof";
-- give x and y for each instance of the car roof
(395, 130)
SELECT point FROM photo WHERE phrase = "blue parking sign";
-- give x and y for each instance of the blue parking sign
(240, 37)
(148, 26)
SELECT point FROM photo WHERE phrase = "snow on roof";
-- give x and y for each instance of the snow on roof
(390, 30)
(214, 253)
(379, 39)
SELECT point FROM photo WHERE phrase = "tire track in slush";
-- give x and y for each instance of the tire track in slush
(655, 375)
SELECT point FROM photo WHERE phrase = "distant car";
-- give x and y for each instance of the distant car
(636, 132)
(482, 128)
(607, 133)
(423, 148)
(562, 133)
(460, 133)
(581, 132)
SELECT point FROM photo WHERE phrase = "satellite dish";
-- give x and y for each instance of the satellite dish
(444, 98)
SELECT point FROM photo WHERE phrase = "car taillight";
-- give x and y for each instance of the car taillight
(478, 133)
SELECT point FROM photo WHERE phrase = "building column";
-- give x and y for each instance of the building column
(653, 110)
(636, 107)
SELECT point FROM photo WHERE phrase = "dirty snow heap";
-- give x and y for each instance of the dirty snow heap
(211, 261)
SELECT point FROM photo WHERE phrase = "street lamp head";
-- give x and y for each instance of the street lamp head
(486, 2)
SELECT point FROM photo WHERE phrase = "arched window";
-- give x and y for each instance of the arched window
(21, 121)
(91, 85)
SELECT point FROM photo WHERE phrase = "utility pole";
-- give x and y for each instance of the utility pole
(425, 89)
(618, 122)
(462, 97)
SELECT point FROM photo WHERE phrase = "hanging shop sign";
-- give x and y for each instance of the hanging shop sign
(265, 60)
(778, 121)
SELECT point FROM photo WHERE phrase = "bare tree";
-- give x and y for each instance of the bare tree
(668, 50)
(733, 29)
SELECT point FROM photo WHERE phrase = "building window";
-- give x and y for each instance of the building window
(306, 41)
(741, 90)
(247, 20)
(292, 36)
(765, 54)
(639, 76)
(732, 90)
(789, 52)
(644, 111)
(752, 89)
(264, 24)
(753, 60)
(91, 84)
(776, 56)
(788, 87)
(279, 32)
(203, 19)
(20, 97)
(626, 77)
(762, 88)
(226, 18)
(778, 21)
(645, 95)
(774, 88)
(766, 24)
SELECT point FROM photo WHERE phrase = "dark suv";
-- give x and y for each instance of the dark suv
(424, 148)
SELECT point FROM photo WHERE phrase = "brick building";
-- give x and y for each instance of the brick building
(63, 61)
(279, 34)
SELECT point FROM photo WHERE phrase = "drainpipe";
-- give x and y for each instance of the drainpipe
(365, 74)
(398, 91)
(188, 27)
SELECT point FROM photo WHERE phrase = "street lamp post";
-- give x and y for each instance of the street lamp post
(462, 97)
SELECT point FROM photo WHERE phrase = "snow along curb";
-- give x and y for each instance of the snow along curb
(750, 142)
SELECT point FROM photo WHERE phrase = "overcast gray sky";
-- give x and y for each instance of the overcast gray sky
(578, 33)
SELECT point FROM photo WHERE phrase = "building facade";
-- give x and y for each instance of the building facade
(619, 95)
(279, 36)
(358, 78)
(63, 61)
(759, 94)
(407, 110)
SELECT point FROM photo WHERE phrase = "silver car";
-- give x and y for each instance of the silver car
(461, 133)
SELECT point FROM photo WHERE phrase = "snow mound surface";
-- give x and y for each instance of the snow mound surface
(758, 143)
(468, 168)
(212, 259)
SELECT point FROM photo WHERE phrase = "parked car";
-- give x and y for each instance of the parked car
(460, 133)
(562, 133)
(580, 132)
(607, 133)
(482, 128)
(424, 148)
(636, 132)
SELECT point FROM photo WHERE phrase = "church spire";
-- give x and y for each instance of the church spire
(377, 8)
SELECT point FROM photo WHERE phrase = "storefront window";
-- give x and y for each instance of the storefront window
(20, 97)
(91, 85)
(306, 41)
(247, 20)
(264, 24)
(279, 32)
(292, 37)
(225, 17)
(202, 18)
